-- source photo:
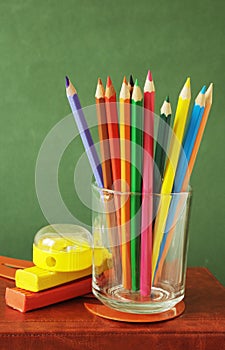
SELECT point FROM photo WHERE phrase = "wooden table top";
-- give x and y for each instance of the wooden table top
(68, 325)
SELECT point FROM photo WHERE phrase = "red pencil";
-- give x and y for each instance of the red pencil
(147, 187)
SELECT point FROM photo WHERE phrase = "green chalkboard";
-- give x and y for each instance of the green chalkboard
(42, 41)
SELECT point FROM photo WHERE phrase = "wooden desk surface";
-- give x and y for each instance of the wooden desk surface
(69, 325)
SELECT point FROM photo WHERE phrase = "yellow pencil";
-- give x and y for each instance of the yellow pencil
(173, 157)
(125, 181)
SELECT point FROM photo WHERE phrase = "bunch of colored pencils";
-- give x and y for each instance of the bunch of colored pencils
(130, 164)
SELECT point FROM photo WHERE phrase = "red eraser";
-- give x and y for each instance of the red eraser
(24, 300)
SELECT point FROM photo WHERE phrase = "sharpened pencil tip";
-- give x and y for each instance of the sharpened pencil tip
(211, 86)
(188, 82)
(209, 94)
(167, 99)
(136, 82)
(109, 81)
(67, 81)
(131, 80)
(203, 90)
(149, 76)
(124, 80)
(99, 81)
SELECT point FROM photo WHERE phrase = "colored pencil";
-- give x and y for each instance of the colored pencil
(113, 132)
(189, 140)
(103, 135)
(114, 145)
(136, 184)
(182, 166)
(125, 181)
(208, 104)
(167, 185)
(177, 204)
(147, 187)
(161, 144)
(84, 132)
(111, 216)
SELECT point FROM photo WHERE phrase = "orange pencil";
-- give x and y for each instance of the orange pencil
(125, 181)
(208, 104)
(103, 135)
(113, 132)
(111, 217)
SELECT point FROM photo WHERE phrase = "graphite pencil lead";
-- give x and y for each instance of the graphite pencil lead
(200, 99)
(100, 91)
(99, 81)
(109, 81)
(131, 80)
(149, 84)
(137, 93)
(124, 92)
(188, 82)
(166, 108)
(70, 89)
(149, 75)
(203, 90)
(67, 81)
(186, 90)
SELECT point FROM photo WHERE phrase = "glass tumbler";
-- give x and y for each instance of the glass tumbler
(145, 269)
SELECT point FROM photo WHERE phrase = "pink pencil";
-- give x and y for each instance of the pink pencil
(147, 187)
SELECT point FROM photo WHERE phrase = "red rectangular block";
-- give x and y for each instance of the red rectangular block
(24, 300)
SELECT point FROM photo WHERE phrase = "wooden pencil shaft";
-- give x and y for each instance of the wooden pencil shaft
(84, 133)
(104, 143)
(114, 142)
(167, 185)
(125, 187)
(136, 185)
(166, 244)
(189, 141)
(147, 190)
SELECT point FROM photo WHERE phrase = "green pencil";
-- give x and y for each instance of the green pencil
(161, 145)
(136, 184)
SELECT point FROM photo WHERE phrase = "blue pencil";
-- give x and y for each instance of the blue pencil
(84, 132)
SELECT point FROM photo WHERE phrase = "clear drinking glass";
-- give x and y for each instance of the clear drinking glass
(145, 268)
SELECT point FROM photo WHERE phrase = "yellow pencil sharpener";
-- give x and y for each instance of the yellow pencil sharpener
(63, 248)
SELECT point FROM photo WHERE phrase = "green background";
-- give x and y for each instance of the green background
(41, 41)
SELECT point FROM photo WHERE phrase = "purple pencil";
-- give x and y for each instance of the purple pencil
(84, 132)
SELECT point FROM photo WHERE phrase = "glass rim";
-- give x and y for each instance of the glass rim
(96, 187)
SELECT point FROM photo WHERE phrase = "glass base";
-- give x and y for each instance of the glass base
(120, 299)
